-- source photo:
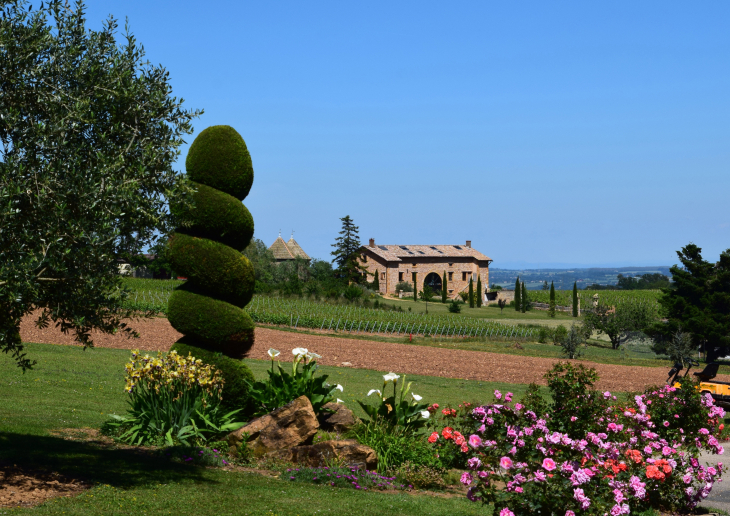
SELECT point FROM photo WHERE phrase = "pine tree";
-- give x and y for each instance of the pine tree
(471, 292)
(518, 297)
(376, 281)
(444, 289)
(525, 300)
(347, 251)
(575, 299)
(480, 294)
(551, 309)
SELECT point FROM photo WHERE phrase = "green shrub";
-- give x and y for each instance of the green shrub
(404, 286)
(559, 334)
(207, 309)
(219, 158)
(454, 307)
(212, 268)
(217, 214)
(572, 341)
(213, 324)
(544, 334)
(236, 374)
(464, 296)
(352, 292)
(420, 475)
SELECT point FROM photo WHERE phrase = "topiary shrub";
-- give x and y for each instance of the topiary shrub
(206, 248)
(235, 375)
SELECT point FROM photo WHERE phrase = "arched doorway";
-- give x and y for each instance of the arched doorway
(433, 280)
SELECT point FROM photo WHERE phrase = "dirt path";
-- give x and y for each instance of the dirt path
(158, 335)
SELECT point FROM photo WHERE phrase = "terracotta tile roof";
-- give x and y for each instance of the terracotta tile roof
(397, 253)
(280, 250)
(296, 250)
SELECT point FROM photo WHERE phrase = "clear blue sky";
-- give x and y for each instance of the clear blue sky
(548, 133)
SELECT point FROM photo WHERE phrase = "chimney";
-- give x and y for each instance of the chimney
(468, 243)
(372, 242)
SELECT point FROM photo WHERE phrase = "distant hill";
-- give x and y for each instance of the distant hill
(564, 278)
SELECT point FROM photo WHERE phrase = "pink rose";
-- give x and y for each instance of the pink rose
(548, 464)
(506, 462)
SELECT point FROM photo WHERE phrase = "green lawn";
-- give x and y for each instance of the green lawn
(72, 388)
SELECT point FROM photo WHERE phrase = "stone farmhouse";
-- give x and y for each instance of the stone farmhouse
(426, 264)
(286, 251)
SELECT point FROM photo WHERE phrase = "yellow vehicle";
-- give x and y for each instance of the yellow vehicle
(720, 391)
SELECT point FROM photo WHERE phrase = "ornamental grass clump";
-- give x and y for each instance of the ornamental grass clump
(172, 399)
(643, 454)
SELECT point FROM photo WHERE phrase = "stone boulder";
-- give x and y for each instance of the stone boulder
(347, 451)
(286, 427)
(340, 420)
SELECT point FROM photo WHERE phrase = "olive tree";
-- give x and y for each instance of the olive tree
(89, 132)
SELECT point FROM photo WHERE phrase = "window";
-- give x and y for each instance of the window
(383, 247)
(451, 276)
(382, 275)
(463, 276)
(415, 265)
(451, 265)
(400, 276)
(364, 258)
(458, 247)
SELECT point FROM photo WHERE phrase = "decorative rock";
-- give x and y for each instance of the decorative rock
(340, 420)
(285, 427)
(346, 364)
(347, 451)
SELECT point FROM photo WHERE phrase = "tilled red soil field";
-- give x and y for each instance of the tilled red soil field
(158, 335)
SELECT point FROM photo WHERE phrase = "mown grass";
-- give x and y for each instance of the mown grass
(71, 388)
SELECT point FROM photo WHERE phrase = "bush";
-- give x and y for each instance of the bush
(173, 399)
(420, 475)
(559, 334)
(207, 309)
(404, 286)
(210, 323)
(636, 460)
(216, 213)
(454, 307)
(352, 292)
(236, 375)
(220, 159)
(544, 334)
(572, 341)
(464, 296)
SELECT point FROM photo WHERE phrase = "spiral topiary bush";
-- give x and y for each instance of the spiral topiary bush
(208, 307)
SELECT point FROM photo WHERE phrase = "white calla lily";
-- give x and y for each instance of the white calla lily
(417, 397)
(340, 388)
(390, 377)
(313, 356)
(339, 400)
(299, 352)
(374, 390)
(426, 414)
(273, 353)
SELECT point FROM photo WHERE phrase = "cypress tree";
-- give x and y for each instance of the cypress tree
(518, 297)
(444, 289)
(525, 301)
(551, 310)
(415, 287)
(376, 281)
(479, 292)
(575, 299)
(471, 292)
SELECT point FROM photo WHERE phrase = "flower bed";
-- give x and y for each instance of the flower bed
(344, 477)
(621, 457)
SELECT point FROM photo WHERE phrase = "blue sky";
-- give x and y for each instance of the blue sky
(548, 133)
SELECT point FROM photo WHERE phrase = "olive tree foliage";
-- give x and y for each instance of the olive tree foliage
(89, 132)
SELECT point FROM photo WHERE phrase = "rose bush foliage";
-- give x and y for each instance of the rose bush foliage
(629, 456)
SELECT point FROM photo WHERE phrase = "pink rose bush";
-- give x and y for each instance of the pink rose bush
(627, 460)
